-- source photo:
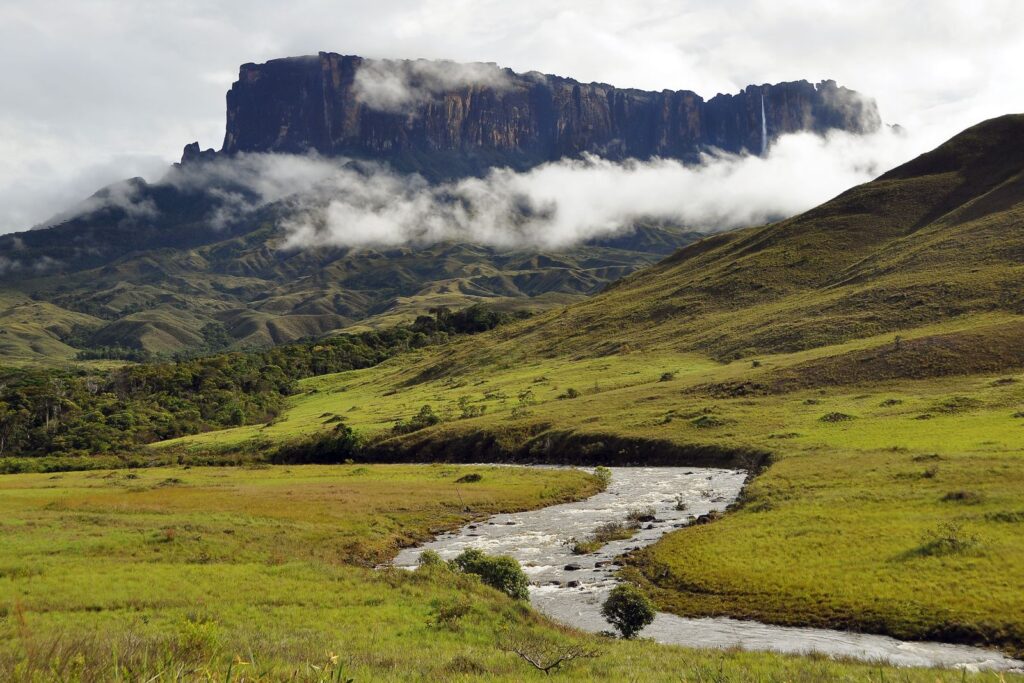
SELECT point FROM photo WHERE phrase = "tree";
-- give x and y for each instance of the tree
(544, 655)
(502, 572)
(11, 421)
(628, 610)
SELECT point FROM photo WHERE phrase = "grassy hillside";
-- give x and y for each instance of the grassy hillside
(868, 349)
(31, 331)
(196, 574)
(153, 281)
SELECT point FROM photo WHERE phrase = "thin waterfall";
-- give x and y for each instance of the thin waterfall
(764, 129)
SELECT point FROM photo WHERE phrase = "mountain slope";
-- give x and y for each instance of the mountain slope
(864, 358)
(935, 238)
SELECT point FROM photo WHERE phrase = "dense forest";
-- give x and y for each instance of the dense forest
(85, 412)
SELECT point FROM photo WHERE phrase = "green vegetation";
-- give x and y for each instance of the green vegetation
(628, 609)
(501, 573)
(264, 574)
(83, 412)
(863, 359)
(604, 534)
(886, 327)
(171, 284)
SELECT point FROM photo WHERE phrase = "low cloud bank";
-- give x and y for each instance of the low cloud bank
(345, 203)
(556, 205)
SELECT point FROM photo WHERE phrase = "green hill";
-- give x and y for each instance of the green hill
(158, 295)
(865, 354)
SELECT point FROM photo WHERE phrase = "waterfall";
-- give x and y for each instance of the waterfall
(764, 129)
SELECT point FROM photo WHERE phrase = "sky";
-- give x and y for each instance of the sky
(93, 91)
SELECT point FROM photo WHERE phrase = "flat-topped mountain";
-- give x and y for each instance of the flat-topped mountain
(151, 265)
(444, 119)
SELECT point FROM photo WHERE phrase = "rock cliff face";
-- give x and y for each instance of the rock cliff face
(445, 119)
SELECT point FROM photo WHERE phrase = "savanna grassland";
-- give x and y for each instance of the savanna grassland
(863, 359)
(217, 574)
(838, 531)
(868, 351)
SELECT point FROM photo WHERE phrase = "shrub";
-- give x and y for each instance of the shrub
(628, 610)
(947, 539)
(502, 572)
(338, 445)
(569, 393)
(836, 417)
(426, 417)
(603, 473)
(448, 613)
(638, 515)
(430, 558)
(965, 497)
(469, 478)
(667, 377)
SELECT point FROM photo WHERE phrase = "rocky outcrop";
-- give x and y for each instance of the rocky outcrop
(445, 119)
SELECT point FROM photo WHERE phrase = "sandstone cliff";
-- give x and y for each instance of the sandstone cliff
(445, 119)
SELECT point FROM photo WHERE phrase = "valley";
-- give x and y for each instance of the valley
(350, 399)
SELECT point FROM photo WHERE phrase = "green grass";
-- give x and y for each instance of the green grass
(263, 574)
(826, 535)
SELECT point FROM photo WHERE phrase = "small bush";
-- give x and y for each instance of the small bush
(628, 610)
(502, 572)
(836, 417)
(430, 558)
(889, 402)
(448, 613)
(707, 422)
(667, 377)
(638, 515)
(681, 504)
(569, 393)
(426, 417)
(947, 539)
(603, 473)
(964, 497)
(469, 478)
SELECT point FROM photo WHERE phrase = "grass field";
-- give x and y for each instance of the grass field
(864, 476)
(234, 574)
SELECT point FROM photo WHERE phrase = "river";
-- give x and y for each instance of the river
(570, 588)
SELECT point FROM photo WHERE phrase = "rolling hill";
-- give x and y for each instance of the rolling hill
(864, 358)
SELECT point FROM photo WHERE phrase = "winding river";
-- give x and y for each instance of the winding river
(570, 588)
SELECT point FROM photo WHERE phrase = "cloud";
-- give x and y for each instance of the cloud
(565, 203)
(110, 81)
(399, 85)
(339, 202)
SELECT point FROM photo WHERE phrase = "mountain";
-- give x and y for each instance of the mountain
(864, 360)
(150, 266)
(445, 119)
(939, 237)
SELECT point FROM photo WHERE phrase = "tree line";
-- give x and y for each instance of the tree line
(78, 411)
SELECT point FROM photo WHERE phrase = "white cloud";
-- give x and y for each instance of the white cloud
(100, 82)
(334, 202)
(398, 85)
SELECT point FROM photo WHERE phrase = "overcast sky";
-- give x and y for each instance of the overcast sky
(92, 91)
